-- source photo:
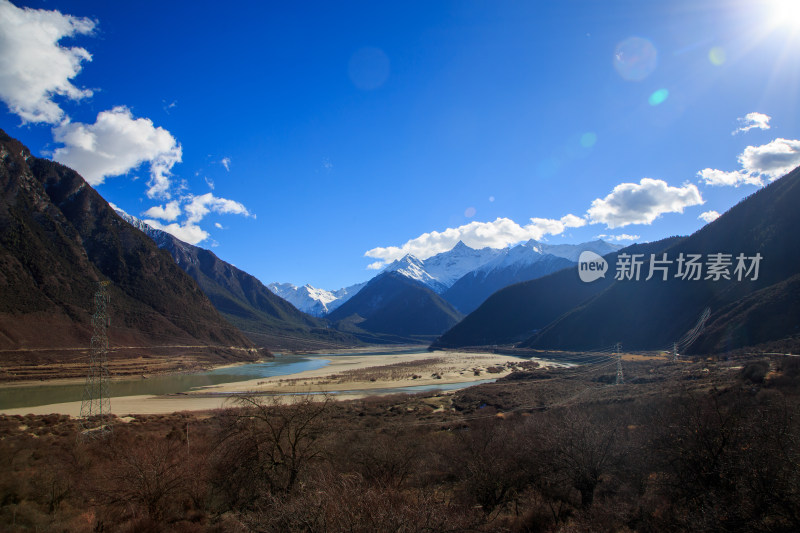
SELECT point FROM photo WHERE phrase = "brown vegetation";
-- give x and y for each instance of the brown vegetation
(692, 446)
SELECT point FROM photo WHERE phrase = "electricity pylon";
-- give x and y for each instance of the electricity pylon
(618, 351)
(96, 405)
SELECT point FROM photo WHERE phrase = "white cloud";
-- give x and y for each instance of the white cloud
(33, 67)
(377, 265)
(187, 232)
(572, 221)
(618, 238)
(709, 216)
(771, 161)
(751, 121)
(169, 212)
(36, 74)
(199, 206)
(642, 203)
(712, 176)
(116, 144)
(195, 208)
(498, 234)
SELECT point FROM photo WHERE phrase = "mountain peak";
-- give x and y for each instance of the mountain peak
(460, 246)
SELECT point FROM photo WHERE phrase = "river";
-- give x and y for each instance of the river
(29, 396)
(21, 396)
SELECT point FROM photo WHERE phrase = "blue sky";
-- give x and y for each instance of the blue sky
(305, 141)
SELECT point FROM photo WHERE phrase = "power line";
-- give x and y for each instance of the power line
(689, 337)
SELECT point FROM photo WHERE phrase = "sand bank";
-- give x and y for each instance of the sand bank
(346, 377)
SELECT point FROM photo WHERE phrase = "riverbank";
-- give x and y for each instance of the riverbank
(123, 363)
(372, 372)
(345, 376)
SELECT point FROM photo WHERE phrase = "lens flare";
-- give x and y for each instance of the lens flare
(717, 56)
(470, 212)
(635, 58)
(369, 68)
(588, 139)
(658, 97)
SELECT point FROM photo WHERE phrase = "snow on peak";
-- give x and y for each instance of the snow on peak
(440, 271)
(573, 251)
(314, 301)
(414, 268)
(532, 251)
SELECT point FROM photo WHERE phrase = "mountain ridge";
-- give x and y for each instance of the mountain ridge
(59, 237)
(309, 299)
(395, 308)
(266, 318)
(652, 314)
(512, 313)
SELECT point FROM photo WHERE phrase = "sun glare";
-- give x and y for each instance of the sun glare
(785, 13)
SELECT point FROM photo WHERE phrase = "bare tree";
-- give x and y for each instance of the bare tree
(144, 478)
(581, 452)
(266, 444)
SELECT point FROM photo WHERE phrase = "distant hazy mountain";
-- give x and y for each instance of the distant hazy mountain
(514, 313)
(267, 319)
(57, 238)
(441, 271)
(572, 252)
(395, 308)
(314, 301)
(652, 314)
(523, 262)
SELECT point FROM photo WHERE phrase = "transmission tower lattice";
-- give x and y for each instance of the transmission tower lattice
(96, 405)
(690, 336)
(618, 351)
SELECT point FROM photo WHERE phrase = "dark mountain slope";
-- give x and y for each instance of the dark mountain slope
(767, 317)
(472, 289)
(513, 313)
(269, 320)
(58, 237)
(650, 315)
(394, 305)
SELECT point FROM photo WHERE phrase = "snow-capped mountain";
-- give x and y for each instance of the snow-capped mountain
(437, 273)
(314, 301)
(448, 267)
(573, 251)
(530, 252)
(241, 298)
(526, 261)
(413, 268)
(440, 271)
(310, 300)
